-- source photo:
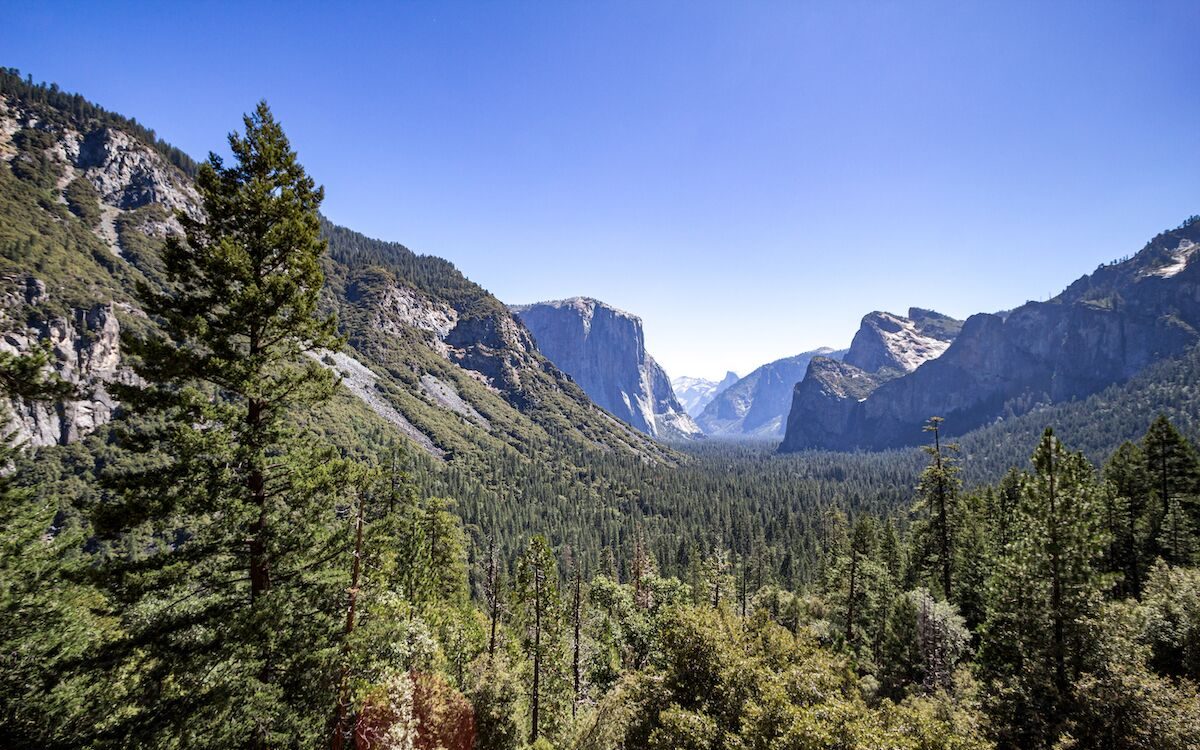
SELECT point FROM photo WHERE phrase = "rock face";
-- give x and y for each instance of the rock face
(696, 393)
(890, 342)
(85, 350)
(756, 406)
(1103, 329)
(603, 350)
(886, 347)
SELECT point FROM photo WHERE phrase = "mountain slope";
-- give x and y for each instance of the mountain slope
(696, 393)
(603, 349)
(87, 199)
(885, 347)
(757, 405)
(1103, 329)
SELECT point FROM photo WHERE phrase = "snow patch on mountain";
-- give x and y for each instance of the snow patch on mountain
(1178, 260)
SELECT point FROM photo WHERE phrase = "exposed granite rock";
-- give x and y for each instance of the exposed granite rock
(696, 393)
(757, 405)
(886, 346)
(603, 350)
(887, 341)
(86, 351)
(1103, 329)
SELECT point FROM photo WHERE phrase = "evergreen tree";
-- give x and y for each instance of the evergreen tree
(1174, 472)
(1044, 586)
(539, 624)
(1126, 473)
(938, 505)
(234, 616)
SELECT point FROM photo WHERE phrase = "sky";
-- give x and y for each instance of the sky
(749, 178)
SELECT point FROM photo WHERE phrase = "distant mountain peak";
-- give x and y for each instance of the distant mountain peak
(603, 349)
(1103, 329)
(756, 406)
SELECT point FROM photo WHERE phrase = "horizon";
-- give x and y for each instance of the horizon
(749, 182)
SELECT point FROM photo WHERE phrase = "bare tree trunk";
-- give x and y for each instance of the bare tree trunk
(577, 617)
(341, 728)
(537, 656)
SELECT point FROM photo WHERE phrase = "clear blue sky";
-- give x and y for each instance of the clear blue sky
(750, 178)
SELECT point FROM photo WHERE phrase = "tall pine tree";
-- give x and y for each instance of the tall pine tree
(236, 615)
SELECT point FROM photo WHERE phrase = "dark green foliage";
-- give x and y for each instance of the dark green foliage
(32, 163)
(83, 200)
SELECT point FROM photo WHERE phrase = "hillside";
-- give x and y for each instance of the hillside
(87, 199)
(1104, 329)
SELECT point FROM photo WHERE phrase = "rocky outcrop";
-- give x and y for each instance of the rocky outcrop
(85, 350)
(696, 393)
(127, 174)
(757, 405)
(1103, 329)
(886, 347)
(603, 350)
(891, 342)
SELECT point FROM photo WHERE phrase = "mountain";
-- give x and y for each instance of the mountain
(603, 350)
(757, 405)
(695, 393)
(891, 342)
(87, 197)
(1103, 329)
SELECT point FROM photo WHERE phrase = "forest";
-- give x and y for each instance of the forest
(213, 570)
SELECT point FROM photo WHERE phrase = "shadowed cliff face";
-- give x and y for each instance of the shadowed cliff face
(824, 403)
(603, 350)
(1105, 328)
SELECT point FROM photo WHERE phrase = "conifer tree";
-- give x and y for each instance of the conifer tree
(938, 504)
(1044, 586)
(235, 614)
(539, 623)
(1174, 471)
(1130, 504)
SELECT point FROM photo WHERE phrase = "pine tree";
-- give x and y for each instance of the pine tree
(235, 613)
(938, 503)
(1044, 586)
(1130, 505)
(1174, 471)
(539, 623)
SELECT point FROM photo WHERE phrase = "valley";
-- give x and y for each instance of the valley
(276, 483)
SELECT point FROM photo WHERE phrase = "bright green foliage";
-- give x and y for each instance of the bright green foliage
(719, 682)
(1120, 702)
(1172, 605)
